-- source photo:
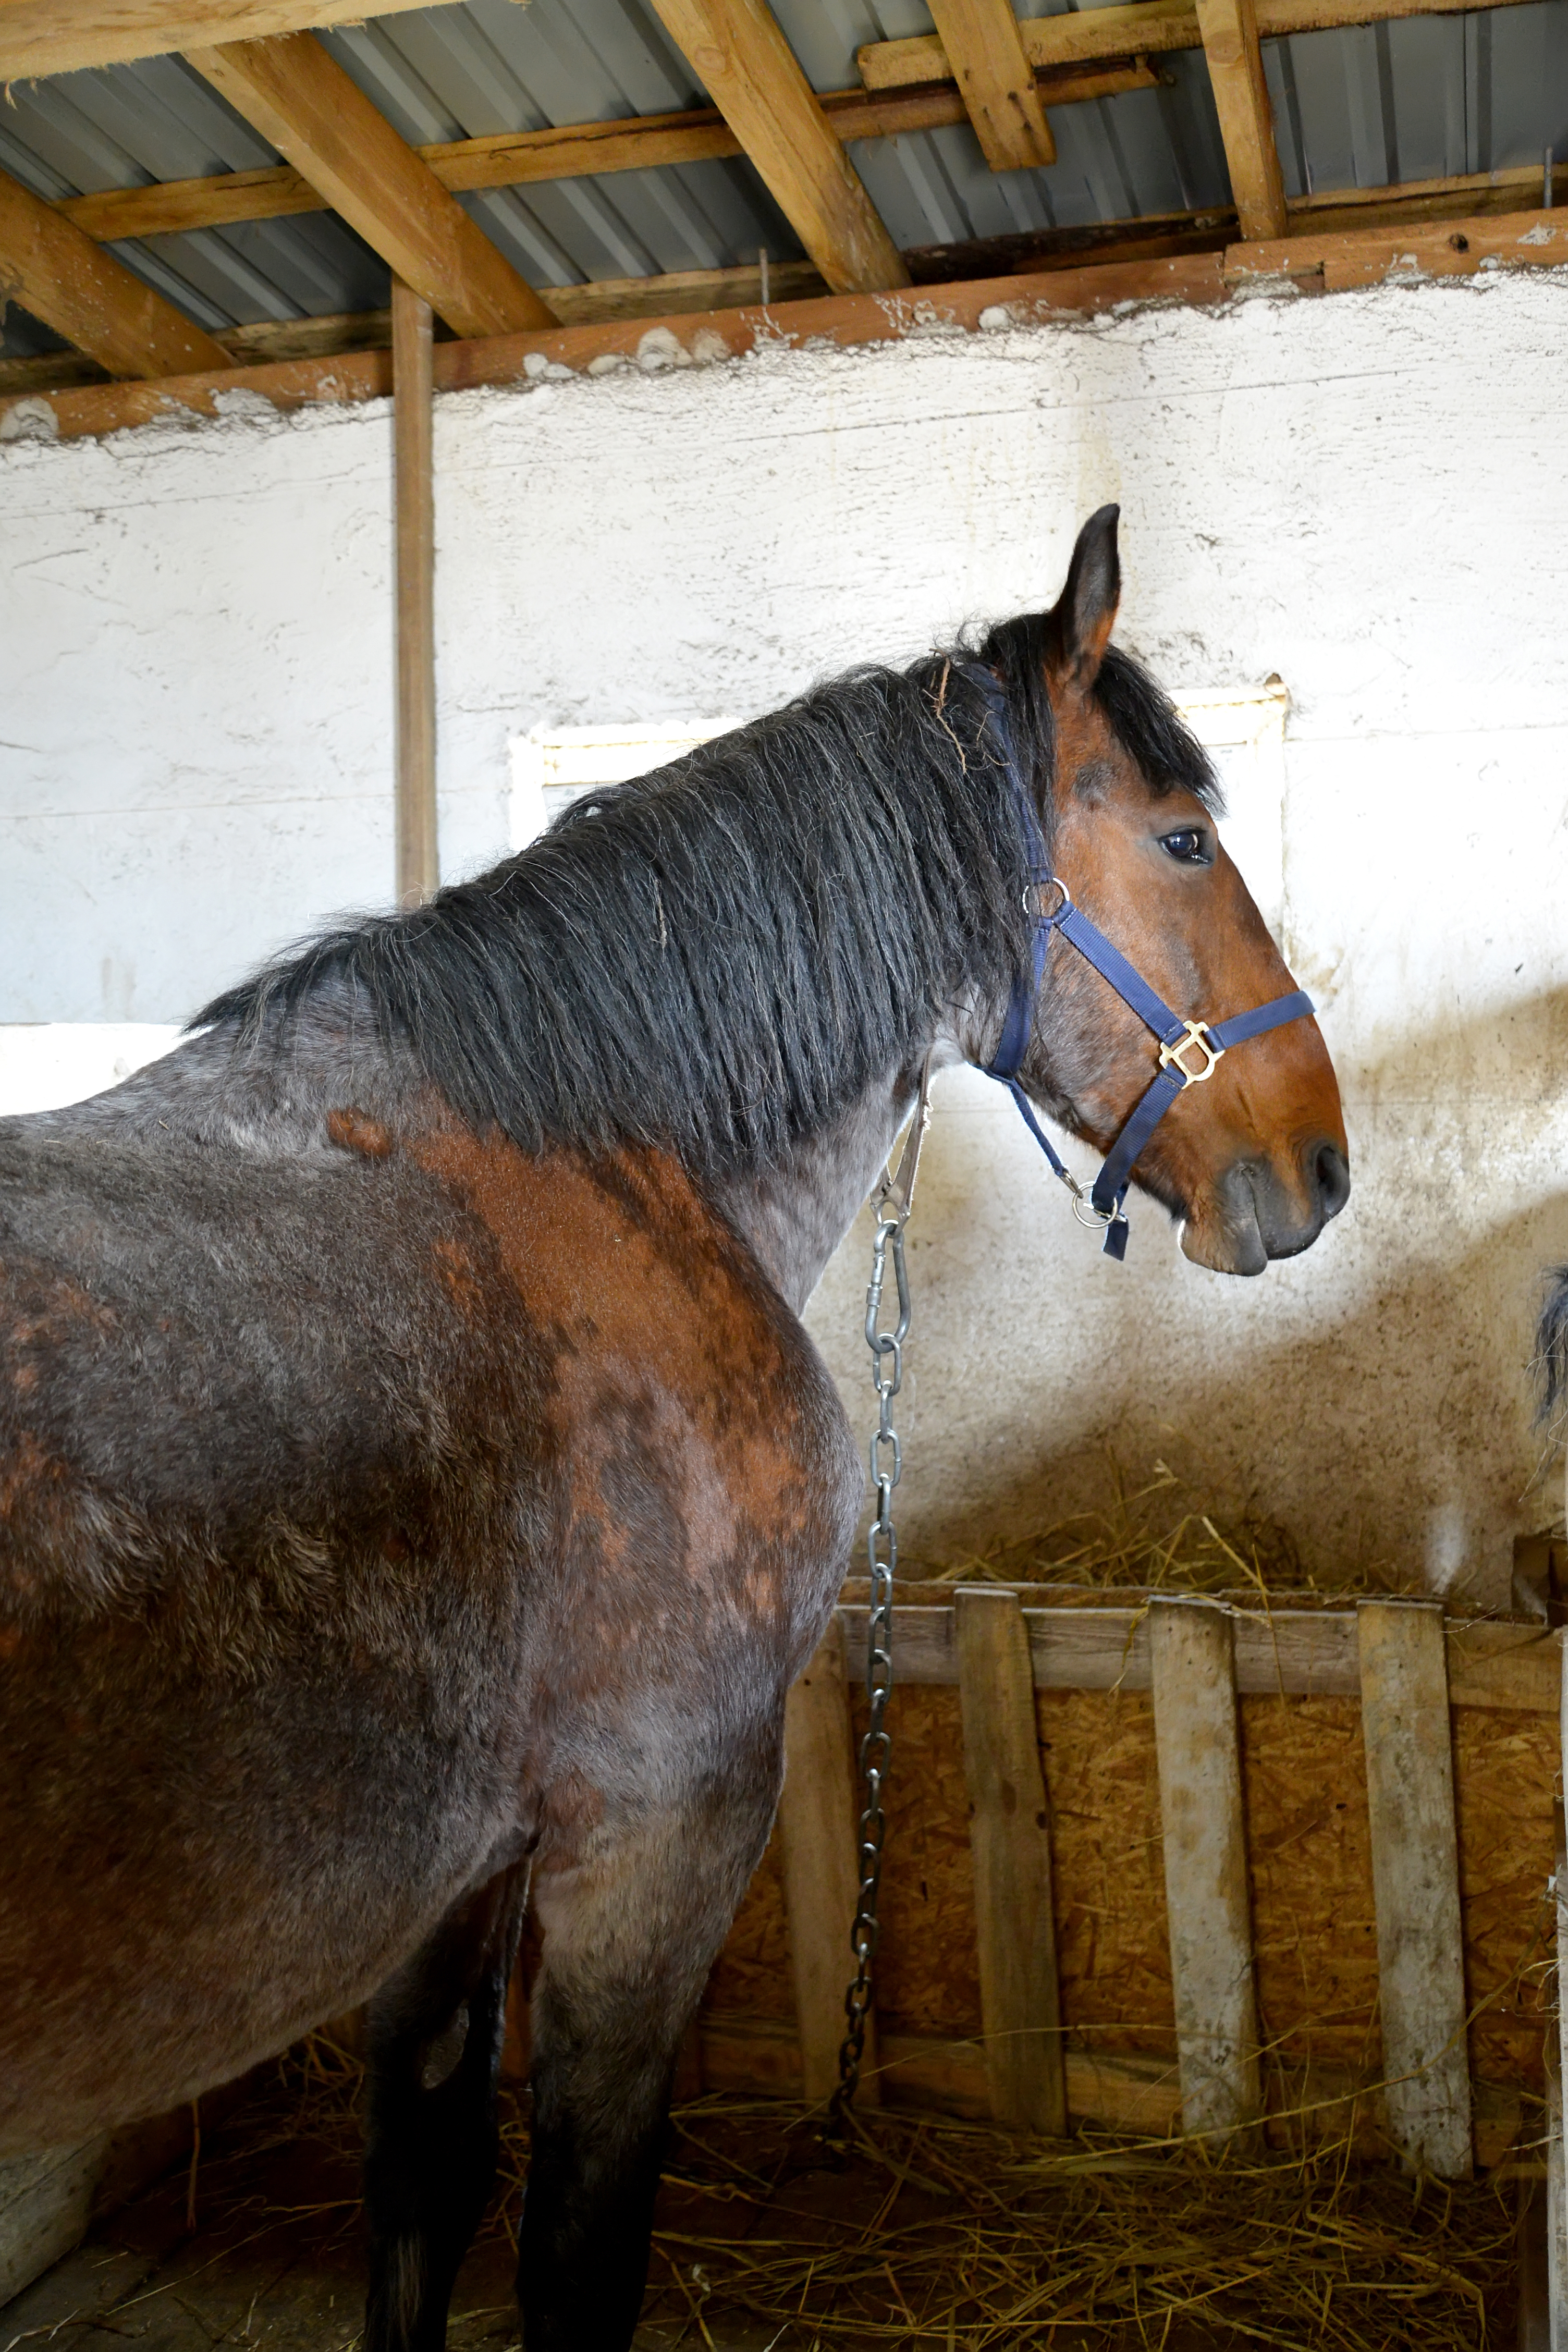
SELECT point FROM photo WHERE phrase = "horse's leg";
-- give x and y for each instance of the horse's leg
(626, 1936)
(436, 2031)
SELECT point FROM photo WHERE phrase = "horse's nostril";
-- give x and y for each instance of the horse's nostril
(1332, 1175)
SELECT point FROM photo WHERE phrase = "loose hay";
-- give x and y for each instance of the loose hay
(979, 2239)
(935, 2232)
(1166, 1532)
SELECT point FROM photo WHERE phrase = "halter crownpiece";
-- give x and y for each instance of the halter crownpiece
(1189, 1050)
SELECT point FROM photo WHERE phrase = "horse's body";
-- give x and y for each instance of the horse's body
(417, 1489)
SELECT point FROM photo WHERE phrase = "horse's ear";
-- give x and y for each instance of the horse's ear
(1086, 611)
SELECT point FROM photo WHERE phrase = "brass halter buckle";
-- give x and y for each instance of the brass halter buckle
(1197, 1034)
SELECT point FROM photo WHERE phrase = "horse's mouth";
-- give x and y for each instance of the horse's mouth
(1254, 1219)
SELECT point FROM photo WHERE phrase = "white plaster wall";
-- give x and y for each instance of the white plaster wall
(1366, 494)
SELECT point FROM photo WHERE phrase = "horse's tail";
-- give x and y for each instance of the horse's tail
(1551, 1364)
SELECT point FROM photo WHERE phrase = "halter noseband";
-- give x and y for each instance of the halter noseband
(1182, 1043)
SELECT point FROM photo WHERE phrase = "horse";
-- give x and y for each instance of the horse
(417, 1489)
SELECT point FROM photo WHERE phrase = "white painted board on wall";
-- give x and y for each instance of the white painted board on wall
(553, 766)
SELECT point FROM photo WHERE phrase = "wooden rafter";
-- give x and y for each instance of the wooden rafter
(754, 76)
(1142, 28)
(1229, 28)
(983, 45)
(522, 158)
(56, 271)
(301, 99)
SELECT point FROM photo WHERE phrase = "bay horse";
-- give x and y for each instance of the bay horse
(417, 1490)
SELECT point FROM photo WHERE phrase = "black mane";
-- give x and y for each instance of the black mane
(722, 955)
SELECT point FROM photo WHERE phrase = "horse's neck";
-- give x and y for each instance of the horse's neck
(796, 1213)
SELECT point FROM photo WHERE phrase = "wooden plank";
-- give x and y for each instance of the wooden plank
(1371, 256)
(413, 511)
(819, 1812)
(981, 41)
(1204, 1836)
(751, 74)
(1010, 1842)
(1517, 240)
(520, 159)
(1416, 1883)
(300, 98)
(58, 274)
(1135, 27)
(1229, 28)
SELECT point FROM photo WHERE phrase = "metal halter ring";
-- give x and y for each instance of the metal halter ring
(1037, 911)
(1197, 1034)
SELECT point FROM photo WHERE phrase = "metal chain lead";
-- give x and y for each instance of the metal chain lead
(882, 1559)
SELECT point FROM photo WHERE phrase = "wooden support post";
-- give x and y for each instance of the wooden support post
(1010, 1839)
(1193, 1667)
(413, 497)
(817, 1828)
(1229, 29)
(1416, 1882)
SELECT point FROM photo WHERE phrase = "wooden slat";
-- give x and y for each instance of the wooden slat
(58, 274)
(1010, 1842)
(1416, 1883)
(1136, 27)
(300, 98)
(524, 158)
(414, 513)
(817, 1815)
(1229, 28)
(751, 74)
(980, 40)
(1204, 1839)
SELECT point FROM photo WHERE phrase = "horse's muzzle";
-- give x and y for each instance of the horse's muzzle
(1261, 1217)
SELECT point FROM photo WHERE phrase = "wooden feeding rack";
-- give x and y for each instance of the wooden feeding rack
(1179, 1866)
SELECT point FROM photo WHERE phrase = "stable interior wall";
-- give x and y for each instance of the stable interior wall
(1362, 494)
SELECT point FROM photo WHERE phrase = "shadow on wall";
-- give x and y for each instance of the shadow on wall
(1367, 1408)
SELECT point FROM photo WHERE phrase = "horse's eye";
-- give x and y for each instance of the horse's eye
(1186, 848)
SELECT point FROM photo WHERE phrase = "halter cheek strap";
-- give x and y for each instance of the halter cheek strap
(1189, 1050)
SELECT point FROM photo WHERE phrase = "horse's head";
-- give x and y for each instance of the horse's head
(1253, 1160)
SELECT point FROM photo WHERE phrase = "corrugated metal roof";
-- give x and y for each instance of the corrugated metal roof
(1415, 98)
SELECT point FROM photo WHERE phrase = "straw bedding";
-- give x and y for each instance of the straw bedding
(932, 2232)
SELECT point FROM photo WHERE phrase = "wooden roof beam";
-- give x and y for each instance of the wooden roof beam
(740, 55)
(1135, 27)
(56, 271)
(983, 45)
(573, 151)
(301, 99)
(1229, 28)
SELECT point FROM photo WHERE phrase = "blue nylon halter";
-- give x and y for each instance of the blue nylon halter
(1177, 1037)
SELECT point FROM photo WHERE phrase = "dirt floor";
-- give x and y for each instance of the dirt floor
(933, 2233)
